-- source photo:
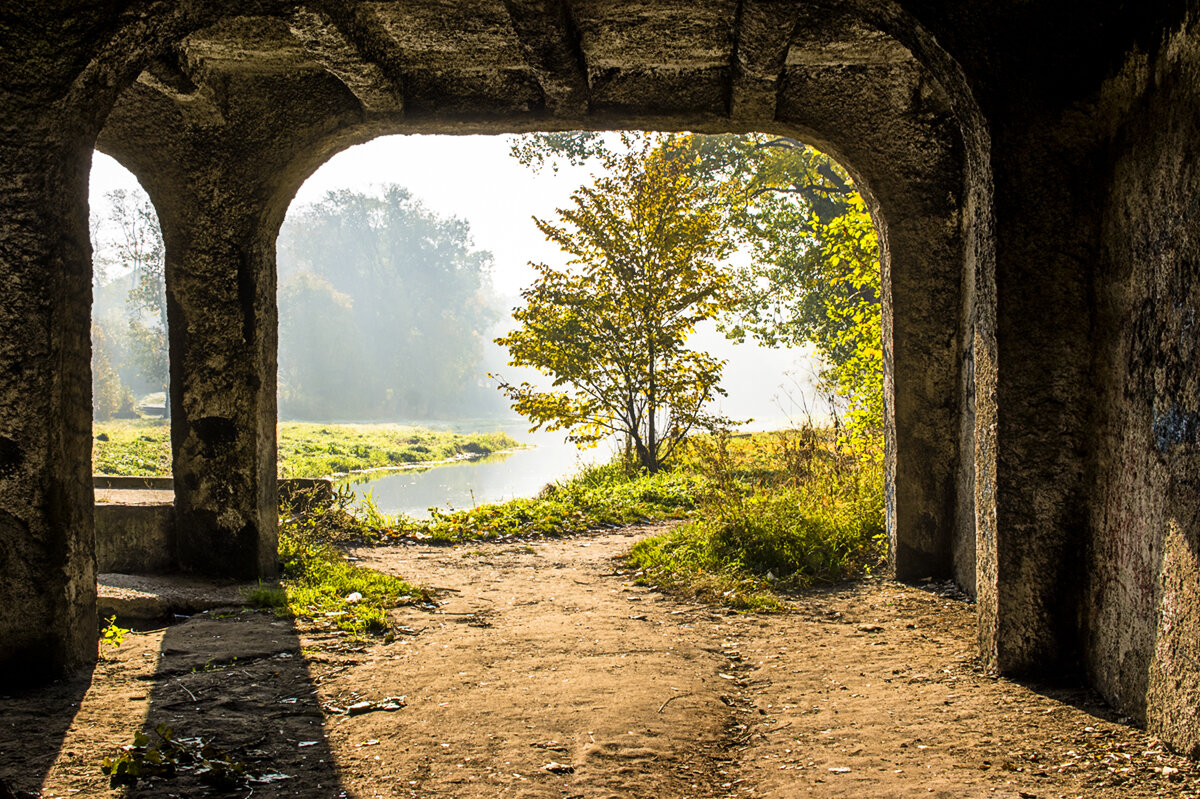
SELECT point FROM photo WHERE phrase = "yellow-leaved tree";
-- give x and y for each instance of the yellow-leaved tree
(647, 241)
(814, 276)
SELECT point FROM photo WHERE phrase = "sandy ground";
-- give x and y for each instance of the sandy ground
(543, 671)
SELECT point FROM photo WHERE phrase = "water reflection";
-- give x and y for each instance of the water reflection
(495, 478)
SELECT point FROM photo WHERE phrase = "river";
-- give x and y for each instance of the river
(495, 478)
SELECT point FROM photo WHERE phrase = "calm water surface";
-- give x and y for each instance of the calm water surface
(496, 478)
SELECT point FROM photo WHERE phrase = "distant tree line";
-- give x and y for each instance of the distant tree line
(129, 307)
(383, 309)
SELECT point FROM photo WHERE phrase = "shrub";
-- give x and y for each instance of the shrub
(817, 516)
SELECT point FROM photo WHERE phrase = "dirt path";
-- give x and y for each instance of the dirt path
(547, 673)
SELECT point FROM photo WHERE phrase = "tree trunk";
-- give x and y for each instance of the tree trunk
(646, 458)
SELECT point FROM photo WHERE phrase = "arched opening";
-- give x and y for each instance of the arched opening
(130, 363)
(131, 434)
(912, 164)
(226, 154)
(328, 237)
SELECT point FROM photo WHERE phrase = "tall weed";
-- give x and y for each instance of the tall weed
(320, 584)
(785, 510)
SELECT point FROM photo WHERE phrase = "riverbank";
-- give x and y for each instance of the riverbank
(496, 478)
(142, 447)
(766, 511)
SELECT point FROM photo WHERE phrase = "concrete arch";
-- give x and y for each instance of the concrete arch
(1076, 149)
(220, 170)
(229, 107)
(930, 525)
(59, 84)
(927, 528)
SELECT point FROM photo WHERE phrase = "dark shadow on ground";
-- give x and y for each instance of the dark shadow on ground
(1069, 688)
(242, 684)
(45, 713)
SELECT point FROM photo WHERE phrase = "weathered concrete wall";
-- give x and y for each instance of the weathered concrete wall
(136, 539)
(136, 528)
(1143, 593)
(61, 69)
(893, 127)
(221, 297)
(947, 46)
(47, 565)
(975, 128)
(47, 570)
(212, 169)
(1045, 243)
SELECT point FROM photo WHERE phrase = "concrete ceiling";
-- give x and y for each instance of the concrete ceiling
(478, 59)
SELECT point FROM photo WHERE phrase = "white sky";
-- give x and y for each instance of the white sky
(475, 178)
(471, 177)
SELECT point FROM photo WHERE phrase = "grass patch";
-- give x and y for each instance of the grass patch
(316, 450)
(599, 496)
(142, 447)
(765, 512)
(319, 584)
(271, 597)
(786, 511)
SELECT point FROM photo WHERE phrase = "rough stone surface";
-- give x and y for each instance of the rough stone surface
(137, 536)
(47, 575)
(136, 528)
(145, 597)
(1143, 589)
(1032, 172)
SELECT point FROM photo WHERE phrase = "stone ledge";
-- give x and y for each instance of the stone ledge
(153, 597)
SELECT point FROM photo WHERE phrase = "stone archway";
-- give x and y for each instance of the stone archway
(1070, 370)
(230, 113)
(909, 153)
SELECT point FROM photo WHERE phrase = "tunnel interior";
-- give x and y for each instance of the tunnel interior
(1032, 178)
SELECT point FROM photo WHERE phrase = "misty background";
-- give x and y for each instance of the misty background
(398, 263)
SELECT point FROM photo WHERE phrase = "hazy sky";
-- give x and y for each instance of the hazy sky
(474, 177)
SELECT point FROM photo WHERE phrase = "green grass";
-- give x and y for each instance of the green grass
(316, 450)
(764, 512)
(317, 582)
(143, 447)
(785, 513)
(599, 496)
(273, 597)
(139, 447)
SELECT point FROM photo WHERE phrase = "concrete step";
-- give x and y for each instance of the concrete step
(146, 597)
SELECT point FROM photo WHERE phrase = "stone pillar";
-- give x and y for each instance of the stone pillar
(221, 170)
(48, 620)
(906, 159)
(922, 363)
(1046, 233)
(222, 319)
